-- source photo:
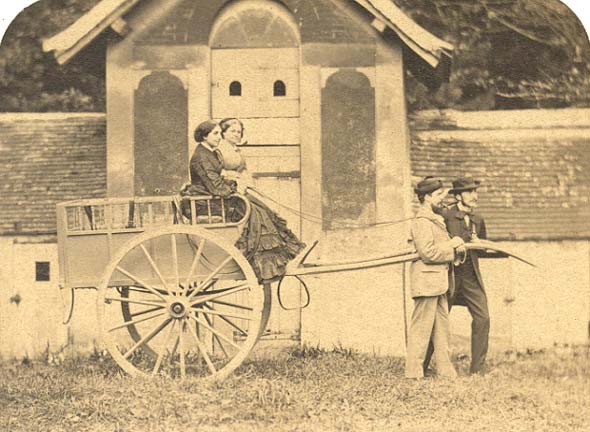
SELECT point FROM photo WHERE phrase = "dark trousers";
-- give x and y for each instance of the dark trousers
(469, 293)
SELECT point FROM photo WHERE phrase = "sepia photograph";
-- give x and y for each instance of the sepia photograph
(294, 215)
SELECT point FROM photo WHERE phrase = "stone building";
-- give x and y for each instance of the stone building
(319, 85)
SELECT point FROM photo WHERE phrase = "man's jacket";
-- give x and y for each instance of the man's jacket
(456, 225)
(430, 275)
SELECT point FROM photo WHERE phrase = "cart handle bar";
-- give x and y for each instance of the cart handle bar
(297, 267)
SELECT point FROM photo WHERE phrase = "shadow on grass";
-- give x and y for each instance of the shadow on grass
(313, 363)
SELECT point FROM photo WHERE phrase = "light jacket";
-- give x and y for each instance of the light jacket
(430, 276)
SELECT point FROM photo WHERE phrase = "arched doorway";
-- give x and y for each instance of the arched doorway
(255, 77)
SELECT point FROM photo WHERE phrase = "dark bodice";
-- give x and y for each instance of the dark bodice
(205, 170)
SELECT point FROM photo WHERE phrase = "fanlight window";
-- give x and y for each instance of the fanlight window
(279, 88)
(235, 88)
(255, 24)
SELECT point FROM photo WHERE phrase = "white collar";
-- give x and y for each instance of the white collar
(207, 146)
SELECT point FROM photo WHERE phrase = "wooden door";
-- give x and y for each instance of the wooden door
(260, 86)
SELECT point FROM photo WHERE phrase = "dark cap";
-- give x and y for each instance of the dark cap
(428, 185)
(463, 184)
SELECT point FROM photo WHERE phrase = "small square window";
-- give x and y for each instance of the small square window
(41, 271)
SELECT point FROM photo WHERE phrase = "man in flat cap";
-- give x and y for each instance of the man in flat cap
(462, 221)
(430, 281)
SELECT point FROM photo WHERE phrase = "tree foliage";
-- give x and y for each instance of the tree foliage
(31, 80)
(508, 54)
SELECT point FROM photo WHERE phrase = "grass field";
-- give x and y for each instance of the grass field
(303, 390)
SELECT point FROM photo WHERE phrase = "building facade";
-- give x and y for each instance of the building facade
(320, 88)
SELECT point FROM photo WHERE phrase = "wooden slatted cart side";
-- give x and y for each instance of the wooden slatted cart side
(91, 231)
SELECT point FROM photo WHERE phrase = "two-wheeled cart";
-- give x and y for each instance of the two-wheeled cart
(175, 296)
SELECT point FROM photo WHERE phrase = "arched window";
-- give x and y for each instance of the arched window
(255, 24)
(235, 88)
(279, 88)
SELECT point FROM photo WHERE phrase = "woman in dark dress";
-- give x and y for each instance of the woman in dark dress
(266, 241)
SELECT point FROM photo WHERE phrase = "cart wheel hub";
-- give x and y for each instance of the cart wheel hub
(177, 310)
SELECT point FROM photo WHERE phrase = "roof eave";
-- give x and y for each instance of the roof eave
(426, 45)
(89, 26)
(73, 39)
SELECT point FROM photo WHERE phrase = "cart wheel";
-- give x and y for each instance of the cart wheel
(180, 300)
(129, 312)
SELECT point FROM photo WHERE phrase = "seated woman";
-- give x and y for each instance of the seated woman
(266, 241)
(206, 163)
(234, 165)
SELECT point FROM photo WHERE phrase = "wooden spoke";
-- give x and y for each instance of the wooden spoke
(212, 311)
(211, 276)
(163, 349)
(157, 329)
(143, 312)
(210, 322)
(154, 267)
(140, 302)
(146, 291)
(181, 350)
(141, 290)
(174, 348)
(231, 323)
(203, 350)
(211, 283)
(224, 303)
(175, 262)
(141, 282)
(212, 330)
(222, 293)
(195, 262)
(133, 322)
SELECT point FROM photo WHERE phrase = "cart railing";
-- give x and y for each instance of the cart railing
(90, 231)
(109, 215)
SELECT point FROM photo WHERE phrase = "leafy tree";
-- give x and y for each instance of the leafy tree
(508, 54)
(31, 80)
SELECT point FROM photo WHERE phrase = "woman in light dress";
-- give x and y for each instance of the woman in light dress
(234, 165)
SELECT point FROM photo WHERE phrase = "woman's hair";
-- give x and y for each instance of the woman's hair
(227, 122)
(204, 129)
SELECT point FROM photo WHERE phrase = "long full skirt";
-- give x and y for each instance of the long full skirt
(267, 242)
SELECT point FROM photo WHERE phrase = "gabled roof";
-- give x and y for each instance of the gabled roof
(46, 159)
(83, 31)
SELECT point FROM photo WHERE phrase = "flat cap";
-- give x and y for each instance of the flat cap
(428, 185)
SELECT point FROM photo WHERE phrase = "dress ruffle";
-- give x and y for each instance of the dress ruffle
(267, 242)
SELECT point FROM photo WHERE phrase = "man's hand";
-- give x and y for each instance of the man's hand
(460, 255)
